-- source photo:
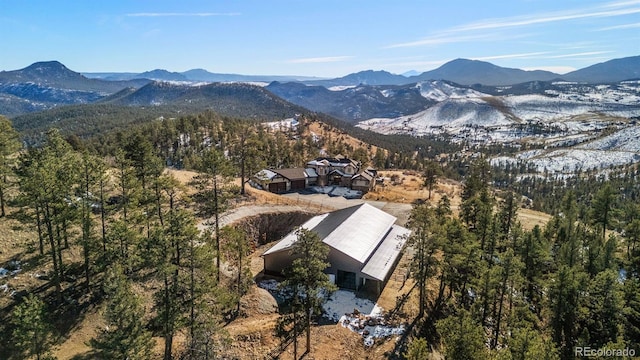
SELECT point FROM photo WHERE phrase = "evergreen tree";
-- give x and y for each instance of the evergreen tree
(418, 350)
(306, 275)
(564, 299)
(48, 179)
(206, 302)
(528, 344)
(32, 334)
(604, 304)
(423, 240)
(92, 171)
(236, 248)
(631, 312)
(216, 174)
(430, 174)
(462, 338)
(124, 336)
(602, 208)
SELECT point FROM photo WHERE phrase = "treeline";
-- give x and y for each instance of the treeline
(547, 190)
(502, 292)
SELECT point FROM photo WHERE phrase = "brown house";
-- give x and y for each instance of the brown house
(282, 180)
(334, 171)
(364, 181)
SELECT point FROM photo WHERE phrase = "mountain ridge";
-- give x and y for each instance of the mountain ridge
(354, 97)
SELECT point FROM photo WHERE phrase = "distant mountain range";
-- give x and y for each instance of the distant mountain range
(355, 97)
(460, 71)
(195, 75)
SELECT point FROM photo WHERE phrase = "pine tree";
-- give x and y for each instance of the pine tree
(216, 171)
(631, 312)
(423, 240)
(236, 246)
(418, 350)
(430, 174)
(527, 343)
(462, 338)
(124, 336)
(32, 335)
(604, 303)
(92, 171)
(603, 208)
(205, 303)
(48, 178)
(306, 275)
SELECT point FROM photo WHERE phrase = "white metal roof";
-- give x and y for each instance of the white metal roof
(288, 240)
(386, 254)
(360, 233)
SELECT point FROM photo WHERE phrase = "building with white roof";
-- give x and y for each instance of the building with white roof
(364, 246)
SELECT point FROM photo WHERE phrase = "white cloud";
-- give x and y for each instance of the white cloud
(589, 53)
(469, 32)
(618, 27)
(511, 56)
(316, 60)
(439, 40)
(607, 10)
(205, 14)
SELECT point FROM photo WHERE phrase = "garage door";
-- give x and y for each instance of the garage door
(297, 184)
(278, 187)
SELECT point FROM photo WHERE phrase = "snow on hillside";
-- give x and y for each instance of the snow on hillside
(340, 87)
(619, 148)
(623, 140)
(441, 91)
(449, 115)
(626, 92)
(546, 108)
(569, 160)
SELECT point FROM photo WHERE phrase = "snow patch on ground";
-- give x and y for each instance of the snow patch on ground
(343, 307)
(344, 302)
(286, 124)
(360, 315)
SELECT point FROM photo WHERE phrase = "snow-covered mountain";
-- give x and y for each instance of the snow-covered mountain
(577, 126)
(561, 109)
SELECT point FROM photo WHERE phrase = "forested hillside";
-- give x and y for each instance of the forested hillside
(490, 289)
(104, 226)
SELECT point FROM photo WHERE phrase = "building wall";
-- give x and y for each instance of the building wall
(350, 169)
(340, 261)
(276, 262)
(361, 184)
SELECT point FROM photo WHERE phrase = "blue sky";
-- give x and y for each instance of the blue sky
(327, 38)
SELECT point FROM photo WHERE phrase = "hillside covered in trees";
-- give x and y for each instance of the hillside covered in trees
(111, 229)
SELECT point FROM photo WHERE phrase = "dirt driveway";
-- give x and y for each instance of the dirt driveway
(399, 210)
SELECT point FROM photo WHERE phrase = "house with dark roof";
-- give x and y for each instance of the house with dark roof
(363, 181)
(324, 171)
(282, 180)
(364, 247)
(334, 171)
